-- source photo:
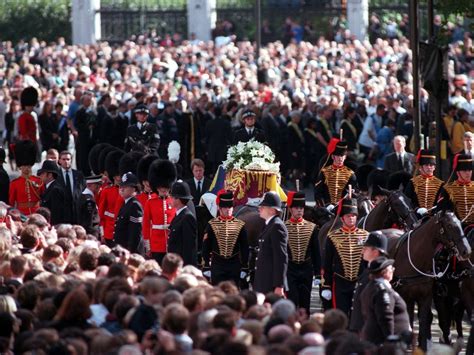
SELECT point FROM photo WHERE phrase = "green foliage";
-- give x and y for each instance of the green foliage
(43, 19)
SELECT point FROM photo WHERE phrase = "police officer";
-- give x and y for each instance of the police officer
(383, 309)
(304, 260)
(374, 247)
(343, 258)
(128, 228)
(88, 213)
(225, 245)
(142, 136)
(334, 180)
(423, 190)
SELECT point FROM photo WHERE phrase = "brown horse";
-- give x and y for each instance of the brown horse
(414, 264)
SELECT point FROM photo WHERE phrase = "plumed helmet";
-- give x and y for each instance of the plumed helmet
(102, 155)
(225, 198)
(129, 162)
(362, 173)
(398, 180)
(29, 97)
(144, 166)
(25, 153)
(376, 180)
(348, 205)
(296, 199)
(162, 173)
(94, 156)
(112, 163)
(462, 162)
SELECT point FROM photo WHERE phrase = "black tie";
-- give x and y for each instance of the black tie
(199, 188)
(400, 162)
(68, 182)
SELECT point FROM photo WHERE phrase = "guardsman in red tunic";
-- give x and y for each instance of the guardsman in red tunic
(110, 200)
(158, 212)
(96, 165)
(26, 122)
(142, 174)
(25, 191)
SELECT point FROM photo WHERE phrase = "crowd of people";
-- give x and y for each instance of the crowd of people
(103, 251)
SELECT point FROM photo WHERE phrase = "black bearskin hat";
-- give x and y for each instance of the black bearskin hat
(129, 162)
(376, 180)
(112, 163)
(398, 180)
(102, 155)
(25, 153)
(29, 97)
(362, 173)
(162, 173)
(144, 166)
(94, 156)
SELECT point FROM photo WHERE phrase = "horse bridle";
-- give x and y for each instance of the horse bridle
(445, 230)
(404, 218)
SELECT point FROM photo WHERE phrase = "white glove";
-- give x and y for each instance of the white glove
(326, 294)
(243, 274)
(330, 207)
(147, 245)
(207, 273)
(422, 211)
(316, 282)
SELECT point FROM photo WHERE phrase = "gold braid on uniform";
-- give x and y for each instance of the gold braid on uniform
(226, 232)
(336, 179)
(299, 236)
(349, 245)
(426, 189)
(462, 196)
(32, 186)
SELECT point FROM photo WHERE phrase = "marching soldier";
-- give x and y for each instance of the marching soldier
(424, 189)
(88, 212)
(142, 136)
(225, 245)
(159, 211)
(128, 228)
(334, 180)
(110, 200)
(303, 252)
(25, 191)
(458, 196)
(343, 258)
(142, 174)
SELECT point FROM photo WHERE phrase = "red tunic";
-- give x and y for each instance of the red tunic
(109, 201)
(143, 197)
(157, 217)
(25, 194)
(27, 127)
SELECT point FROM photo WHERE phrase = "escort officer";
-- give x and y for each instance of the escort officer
(25, 191)
(304, 260)
(343, 258)
(272, 260)
(142, 136)
(225, 246)
(159, 211)
(128, 228)
(424, 189)
(53, 196)
(334, 180)
(88, 213)
(374, 247)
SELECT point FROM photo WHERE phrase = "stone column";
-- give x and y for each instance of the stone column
(201, 18)
(85, 21)
(358, 18)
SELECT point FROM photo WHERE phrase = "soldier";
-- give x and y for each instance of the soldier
(423, 190)
(159, 212)
(303, 252)
(343, 258)
(110, 200)
(25, 191)
(375, 246)
(142, 136)
(458, 196)
(225, 246)
(334, 180)
(53, 196)
(128, 228)
(88, 213)
(142, 174)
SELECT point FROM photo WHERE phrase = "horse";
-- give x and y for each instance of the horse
(414, 264)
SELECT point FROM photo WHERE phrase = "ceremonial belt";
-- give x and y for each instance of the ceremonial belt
(109, 214)
(28, 204)
(300, 262)
(160, 226)
(346, 278)
(225, 257)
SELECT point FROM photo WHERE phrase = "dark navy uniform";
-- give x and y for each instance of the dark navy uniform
(88, 213)
(128, 226)
(144, 139)
(53, 198)
(225, 249)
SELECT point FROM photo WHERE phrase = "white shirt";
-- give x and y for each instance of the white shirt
(49, 183)
(128, 199)
(249, 130)
(269, 219)
(196, 183)
(87, 192)
(180, 210)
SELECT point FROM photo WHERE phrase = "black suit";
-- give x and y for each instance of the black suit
(4, 185)
(219, 136)
(272, 132)
(392, 164)
(243, 136)
(128, 226)
(205, 184)
(182, 238)
(53, 198)
(357, 321)
(71, 198)
(272, 260)
(88, 214)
